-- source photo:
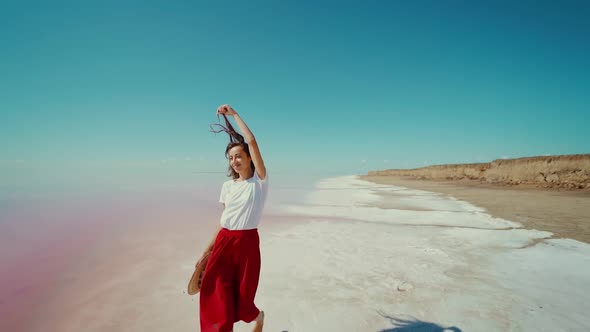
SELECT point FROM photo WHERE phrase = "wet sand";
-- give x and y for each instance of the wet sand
(566, 214)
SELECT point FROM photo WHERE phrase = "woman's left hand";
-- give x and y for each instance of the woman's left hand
(226, 110)
(203, 258)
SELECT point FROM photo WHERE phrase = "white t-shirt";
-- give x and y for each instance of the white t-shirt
(244, 202)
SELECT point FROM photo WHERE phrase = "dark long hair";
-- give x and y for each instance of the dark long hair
(235, 139)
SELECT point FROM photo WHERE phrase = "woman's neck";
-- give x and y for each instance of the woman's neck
(246, 175)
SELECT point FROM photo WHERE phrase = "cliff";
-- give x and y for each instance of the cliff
(566, 171)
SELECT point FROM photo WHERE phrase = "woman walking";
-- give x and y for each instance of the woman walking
(231, 275)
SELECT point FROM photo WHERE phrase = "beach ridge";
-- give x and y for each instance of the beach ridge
(570, 172)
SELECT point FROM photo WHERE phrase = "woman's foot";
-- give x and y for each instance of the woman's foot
(259, 322)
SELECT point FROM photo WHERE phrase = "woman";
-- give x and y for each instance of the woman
(231, 276)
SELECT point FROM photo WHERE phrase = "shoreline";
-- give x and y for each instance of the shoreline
(566, 214)
(409, 253)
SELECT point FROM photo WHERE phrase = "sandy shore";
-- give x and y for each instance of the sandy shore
(566, 214)
(386, 258)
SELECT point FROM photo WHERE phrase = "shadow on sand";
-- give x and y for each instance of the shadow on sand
(414, 325)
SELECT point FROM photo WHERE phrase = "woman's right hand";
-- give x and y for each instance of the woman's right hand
(225, 109)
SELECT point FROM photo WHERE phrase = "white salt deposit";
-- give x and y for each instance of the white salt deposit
(425, 263)
(350, 198)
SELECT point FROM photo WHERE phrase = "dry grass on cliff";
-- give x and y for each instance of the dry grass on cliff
(566, 171)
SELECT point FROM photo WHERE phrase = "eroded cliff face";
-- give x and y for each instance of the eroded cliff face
(567, 171)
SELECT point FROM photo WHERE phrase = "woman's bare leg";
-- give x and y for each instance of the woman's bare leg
(259, 322)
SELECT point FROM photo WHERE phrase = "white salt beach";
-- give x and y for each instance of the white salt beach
(439, 263)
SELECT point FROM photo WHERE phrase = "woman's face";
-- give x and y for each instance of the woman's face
(238, 159)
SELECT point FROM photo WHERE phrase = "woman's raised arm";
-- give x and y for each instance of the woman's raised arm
(249, 137)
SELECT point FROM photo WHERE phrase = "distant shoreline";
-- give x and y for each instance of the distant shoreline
(564, 213)
(566, 172)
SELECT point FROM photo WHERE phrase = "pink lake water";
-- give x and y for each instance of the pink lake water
(57, 240)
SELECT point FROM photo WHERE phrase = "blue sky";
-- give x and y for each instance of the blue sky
(339, 87)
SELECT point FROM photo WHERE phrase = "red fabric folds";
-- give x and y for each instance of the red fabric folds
(230, 281)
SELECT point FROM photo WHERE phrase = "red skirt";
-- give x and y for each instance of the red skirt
(230, 281)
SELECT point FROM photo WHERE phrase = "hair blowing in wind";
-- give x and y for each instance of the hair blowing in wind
(234, 136)
(235, 139)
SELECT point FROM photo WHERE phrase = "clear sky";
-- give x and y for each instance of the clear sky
(342, 86)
